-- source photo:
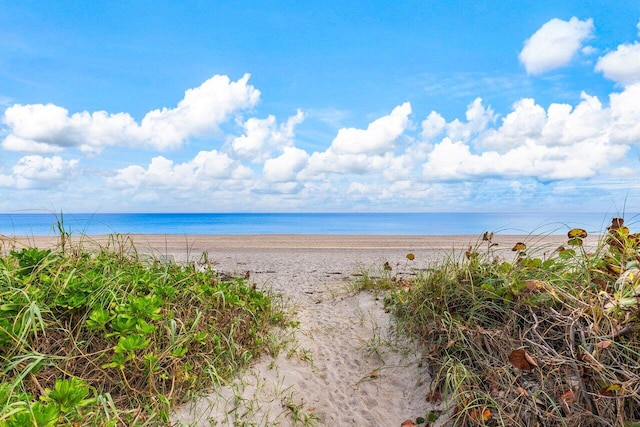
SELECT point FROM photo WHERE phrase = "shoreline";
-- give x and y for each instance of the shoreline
(198, 242)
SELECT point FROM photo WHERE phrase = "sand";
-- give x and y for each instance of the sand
(343, 366)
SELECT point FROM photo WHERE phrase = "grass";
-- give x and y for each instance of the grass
(549, 337)
(107, 337)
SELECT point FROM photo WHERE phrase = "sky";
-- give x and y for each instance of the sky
(333, 106)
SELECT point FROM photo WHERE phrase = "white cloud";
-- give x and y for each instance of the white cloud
(622, 65)
(527, 120)
(432, 126)
(478, 118)
(13, 143)
(206, 170)
(40, 172)
(361, 151)
(46, 128)
(454, 161)
(379, 137)
(263, 136)
(625, 113)
(554, 44)
(285, 167)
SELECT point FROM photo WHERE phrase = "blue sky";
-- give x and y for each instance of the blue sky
(203, 106)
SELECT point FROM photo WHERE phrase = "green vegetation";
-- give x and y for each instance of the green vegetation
(550, 337)
(106, 337)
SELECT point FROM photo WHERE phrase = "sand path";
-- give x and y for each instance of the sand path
(341, 368)
(344, 367)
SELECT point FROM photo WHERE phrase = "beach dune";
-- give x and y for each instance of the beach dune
(343, 365)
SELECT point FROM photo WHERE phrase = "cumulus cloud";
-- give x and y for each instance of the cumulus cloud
(559, 143)
(478, 118)
(622, 65)
(285, 167)
(432, 126)
(49, 128)
(554, 44)
(263, 136)
(379, 137)
(40, 172)
(205, 170)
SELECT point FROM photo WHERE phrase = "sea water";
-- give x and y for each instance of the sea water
(43, 224)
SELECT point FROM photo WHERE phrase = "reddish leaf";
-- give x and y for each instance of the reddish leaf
(603, 344)
(479, 415)
(616, 223)
(522, 360)
(568, 397)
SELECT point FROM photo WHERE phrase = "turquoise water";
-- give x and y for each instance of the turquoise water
(308, 223)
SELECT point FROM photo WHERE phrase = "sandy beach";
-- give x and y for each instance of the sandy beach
(343, 365)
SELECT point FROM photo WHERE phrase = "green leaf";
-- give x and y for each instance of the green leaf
(131, 343)
(575, 241)
(68, 394)
(145, 328)
(98, 318)
(567, 254)
(179, 351)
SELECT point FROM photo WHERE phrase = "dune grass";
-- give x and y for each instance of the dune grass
(548, 337)
(109, 337)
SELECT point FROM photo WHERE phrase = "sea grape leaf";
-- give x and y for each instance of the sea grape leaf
(577, 232)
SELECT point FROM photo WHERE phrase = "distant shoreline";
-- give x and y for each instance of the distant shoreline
(207, 242)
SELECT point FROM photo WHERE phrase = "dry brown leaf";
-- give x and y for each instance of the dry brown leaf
(522, 360)
(478, 415)
(519, 247)
(603, 344)
(434, 396)
(568, 397)
(411, 256)
(535, 286)
(408, 423)
(374, 374)
(522, 391)
(616, 223)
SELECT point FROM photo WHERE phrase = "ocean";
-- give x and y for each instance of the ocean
(44, 224)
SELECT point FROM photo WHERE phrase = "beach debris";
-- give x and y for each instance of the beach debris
(408, 423)
(480, 415)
